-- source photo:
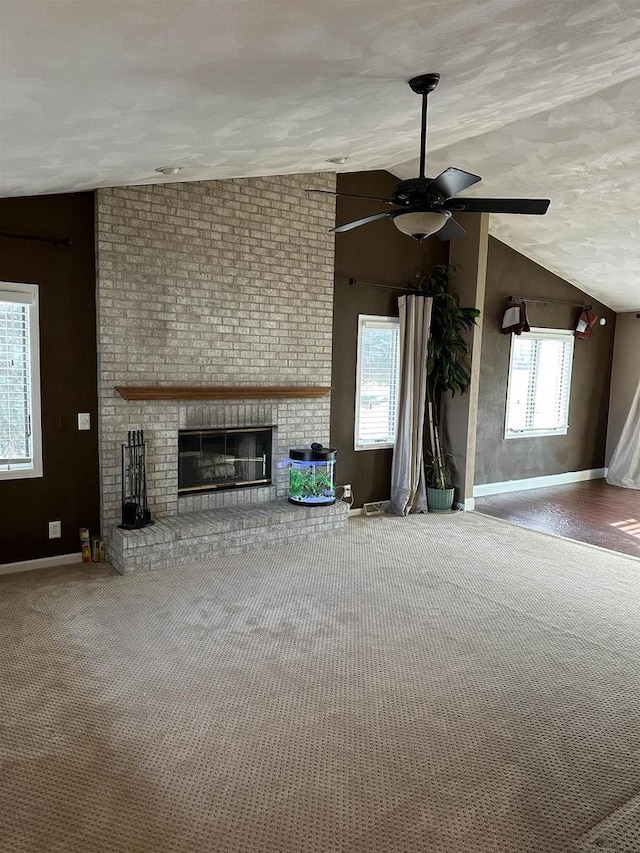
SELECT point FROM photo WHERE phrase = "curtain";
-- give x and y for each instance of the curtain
(408, 487)
(624, 468)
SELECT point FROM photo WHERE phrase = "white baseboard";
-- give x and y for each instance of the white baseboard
(538, 482)
(40, 563)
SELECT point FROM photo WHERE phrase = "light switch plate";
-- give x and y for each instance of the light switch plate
(84, 420)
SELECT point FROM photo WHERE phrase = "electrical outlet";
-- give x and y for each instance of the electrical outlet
(346, 491)
(55, 530)
(84, 420)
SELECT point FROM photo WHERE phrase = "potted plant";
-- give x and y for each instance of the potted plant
(447, 370)
(440, 491)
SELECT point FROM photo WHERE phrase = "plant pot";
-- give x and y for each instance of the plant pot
(440, 500)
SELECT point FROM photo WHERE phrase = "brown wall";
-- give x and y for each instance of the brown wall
(583, 447)
(625, 375)
(378, 252)
(68, 491)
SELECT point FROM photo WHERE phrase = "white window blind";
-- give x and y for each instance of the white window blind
(539, 384)
(377, 381)
(20, 441)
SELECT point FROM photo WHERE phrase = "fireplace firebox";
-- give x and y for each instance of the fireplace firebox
(212, 459)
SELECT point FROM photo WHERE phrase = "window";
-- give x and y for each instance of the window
(539, 383)
(377, 378)
(20, 434)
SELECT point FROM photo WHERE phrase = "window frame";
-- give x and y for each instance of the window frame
(382, 321)
(36, 468)
(565, 335)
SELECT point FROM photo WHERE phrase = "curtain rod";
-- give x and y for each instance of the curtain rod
(408, 286)
(55, 241)
(548, 301)
(387, 285)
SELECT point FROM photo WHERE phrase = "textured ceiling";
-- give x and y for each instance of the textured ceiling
(541, 98)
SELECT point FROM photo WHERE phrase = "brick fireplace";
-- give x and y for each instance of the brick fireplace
(220, 282)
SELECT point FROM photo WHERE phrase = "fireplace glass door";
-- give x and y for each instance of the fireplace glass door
(211, 459)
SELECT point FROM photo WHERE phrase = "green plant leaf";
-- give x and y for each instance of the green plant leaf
(447, 358)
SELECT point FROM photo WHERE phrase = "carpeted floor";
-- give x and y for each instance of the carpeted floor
(442, 684)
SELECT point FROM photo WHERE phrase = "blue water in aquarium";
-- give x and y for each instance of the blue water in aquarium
(312, 499)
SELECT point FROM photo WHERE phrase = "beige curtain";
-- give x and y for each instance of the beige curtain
(624, 468)
(408, 488)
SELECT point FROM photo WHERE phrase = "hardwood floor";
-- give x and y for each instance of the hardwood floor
(592, 512)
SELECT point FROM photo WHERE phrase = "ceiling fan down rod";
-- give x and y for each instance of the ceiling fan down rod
(422, 85)
(423, 137)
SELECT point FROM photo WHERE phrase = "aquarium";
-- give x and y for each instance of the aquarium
(312, 476)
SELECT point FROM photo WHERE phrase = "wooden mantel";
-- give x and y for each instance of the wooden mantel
(220, 392)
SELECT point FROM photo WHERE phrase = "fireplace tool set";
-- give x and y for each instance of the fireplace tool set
(135, 512)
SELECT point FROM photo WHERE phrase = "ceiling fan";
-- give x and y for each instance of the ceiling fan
(424, 206)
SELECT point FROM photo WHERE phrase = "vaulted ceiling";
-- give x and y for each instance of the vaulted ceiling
(539, 97)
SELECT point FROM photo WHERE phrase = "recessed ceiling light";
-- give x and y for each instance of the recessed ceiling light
(169, 170)
(337, 160)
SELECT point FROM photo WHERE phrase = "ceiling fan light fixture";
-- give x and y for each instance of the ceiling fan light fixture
(420, 224)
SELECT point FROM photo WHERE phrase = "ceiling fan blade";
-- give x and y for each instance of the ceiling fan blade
(536, 206)
(352, 195)
(358, 222)
(450, 230)
(452, 181)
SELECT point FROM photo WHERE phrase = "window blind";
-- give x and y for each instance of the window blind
(16, 446)
(377, 381)
(539, 383)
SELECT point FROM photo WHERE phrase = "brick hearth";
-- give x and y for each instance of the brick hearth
(213, 533)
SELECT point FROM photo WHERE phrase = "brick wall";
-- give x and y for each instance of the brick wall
(217, 282)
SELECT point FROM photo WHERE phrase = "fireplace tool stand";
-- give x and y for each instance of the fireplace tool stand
(135, 511)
